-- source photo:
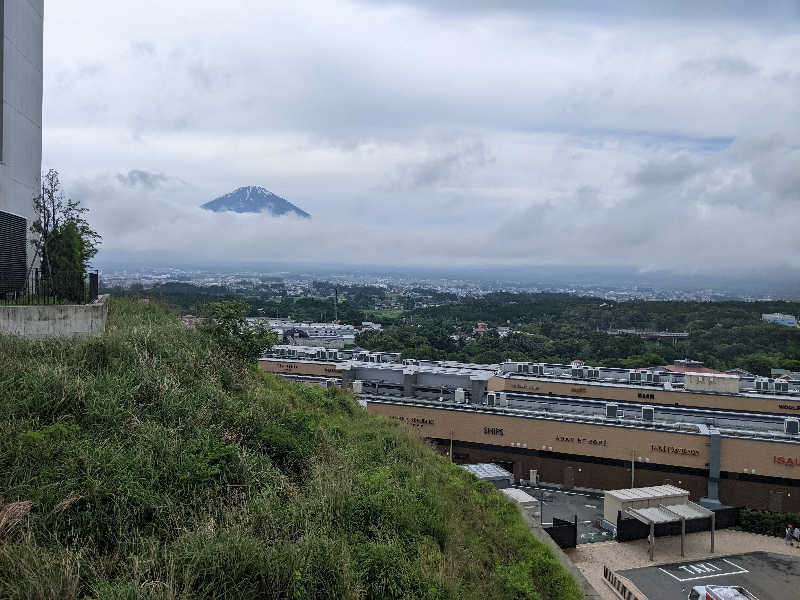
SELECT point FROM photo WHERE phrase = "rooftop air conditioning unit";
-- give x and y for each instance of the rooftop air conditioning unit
(537, 369)
(647, 377)
(594, 373)
(611, 410)
(502, 399)
(491, 398)
(657, 378)
(460, 395)
(761, 384)
(634, 376)
(648, 413)
(781, 386)
(358, 385)
(791, 426)
(577, 372)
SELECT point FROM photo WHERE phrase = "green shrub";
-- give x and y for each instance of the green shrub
(766, 522)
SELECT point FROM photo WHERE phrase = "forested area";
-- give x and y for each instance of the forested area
(544, 327)
(561, 328)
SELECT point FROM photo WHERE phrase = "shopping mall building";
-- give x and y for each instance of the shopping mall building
(728, 439)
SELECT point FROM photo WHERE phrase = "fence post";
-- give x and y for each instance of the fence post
(576, 532)
(93, 286)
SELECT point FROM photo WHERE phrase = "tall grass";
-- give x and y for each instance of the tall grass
(150, 464)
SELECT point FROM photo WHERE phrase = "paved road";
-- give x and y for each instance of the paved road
(566, 504)
(768, 576)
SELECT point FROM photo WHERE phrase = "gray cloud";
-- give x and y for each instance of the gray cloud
(720, 65)
(145, 179)
(669, 171)
(704, 223)
(442, 168)
(619, 133)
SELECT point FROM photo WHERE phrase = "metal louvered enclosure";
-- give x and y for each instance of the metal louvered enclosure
(13, 229)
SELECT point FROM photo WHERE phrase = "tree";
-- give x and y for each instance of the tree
(65, 252)
(62, 238)
(228, 324)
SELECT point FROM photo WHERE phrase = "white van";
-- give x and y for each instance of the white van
(720, 592)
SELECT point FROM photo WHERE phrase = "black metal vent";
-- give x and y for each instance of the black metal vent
(12, 252)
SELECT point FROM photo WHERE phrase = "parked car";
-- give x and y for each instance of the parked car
(720, 592)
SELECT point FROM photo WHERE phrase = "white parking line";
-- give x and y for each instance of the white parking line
(708, 568)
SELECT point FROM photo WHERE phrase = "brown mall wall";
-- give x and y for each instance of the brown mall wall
(758, 494)
(574, 472)
(289, 367)
(648, 395)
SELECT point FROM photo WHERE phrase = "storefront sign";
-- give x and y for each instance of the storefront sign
(493, 431)
(787, 461)
(581, 440)
(524, 387)
(789, 406)
(578, 390)
(414, 421)
(674, 450)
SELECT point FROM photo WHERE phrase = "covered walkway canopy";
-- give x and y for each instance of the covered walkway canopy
(655, 515)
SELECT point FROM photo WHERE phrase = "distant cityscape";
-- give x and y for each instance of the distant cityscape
(298, 283)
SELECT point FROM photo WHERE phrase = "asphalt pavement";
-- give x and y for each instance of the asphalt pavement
(766, 575)
(566, 504)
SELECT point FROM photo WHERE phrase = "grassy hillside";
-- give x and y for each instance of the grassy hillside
(147, 464)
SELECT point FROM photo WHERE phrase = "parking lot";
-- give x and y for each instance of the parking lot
(565, 504)
(767, 575)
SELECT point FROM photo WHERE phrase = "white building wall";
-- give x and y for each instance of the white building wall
(21, 150)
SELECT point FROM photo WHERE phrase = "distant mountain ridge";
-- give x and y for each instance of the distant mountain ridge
(254, 199)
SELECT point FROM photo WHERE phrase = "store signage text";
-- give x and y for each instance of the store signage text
(787, 461)
(789, 406)
(414, 421)
(493, 430)
(522, 386)
(578, 390)
(581, 440)
(674, 450)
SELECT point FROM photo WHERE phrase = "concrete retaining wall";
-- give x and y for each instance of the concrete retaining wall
(55, 320)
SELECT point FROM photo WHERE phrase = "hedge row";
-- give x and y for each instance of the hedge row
(766, 522)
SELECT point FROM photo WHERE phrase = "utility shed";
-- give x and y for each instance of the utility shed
(706, 382)
(659, 495)
(490, 472)
(519, 496)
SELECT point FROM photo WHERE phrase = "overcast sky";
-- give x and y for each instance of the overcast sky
(434, 133)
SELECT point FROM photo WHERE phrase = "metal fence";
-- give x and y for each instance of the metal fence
(564, 533)
(59, 288)
(633, 529)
